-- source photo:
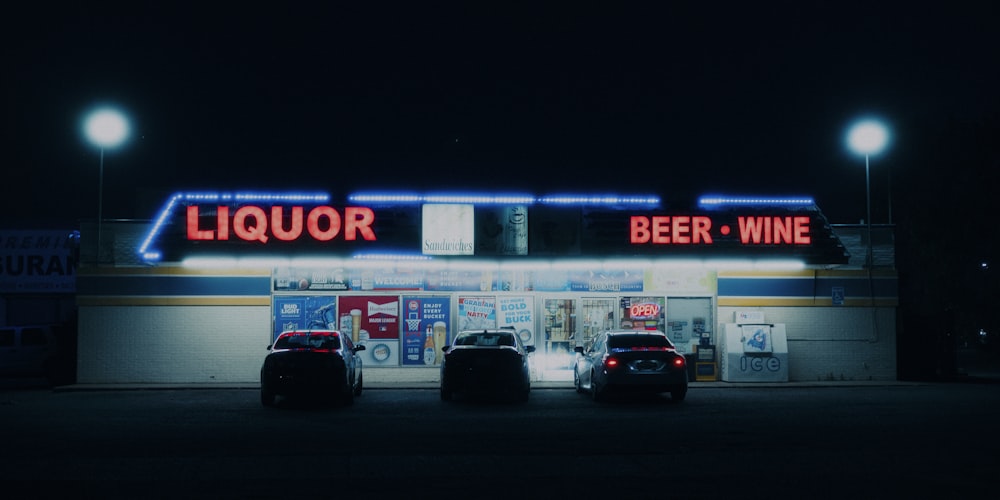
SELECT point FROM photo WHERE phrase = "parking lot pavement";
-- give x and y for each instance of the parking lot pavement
(416, 378)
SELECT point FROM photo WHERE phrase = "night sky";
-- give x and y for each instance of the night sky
(678, 100)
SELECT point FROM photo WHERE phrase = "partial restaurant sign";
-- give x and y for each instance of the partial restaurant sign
(38, 261)
(448, 229)
(501, 230)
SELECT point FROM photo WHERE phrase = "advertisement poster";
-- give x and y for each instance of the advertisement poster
(300, 279)
(459, 281)
(425, 330)
(373, 321)
(518, 312)
(303, 312)
(509, 280)
(607, 281)
(476, 313)
(554, 280)
(398, 279)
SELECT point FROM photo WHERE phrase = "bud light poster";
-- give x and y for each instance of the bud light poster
(476, 313)
(372, 321)
(302, 312)
(425, 330)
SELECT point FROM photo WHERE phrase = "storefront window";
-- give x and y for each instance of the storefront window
(598, 316)
(642, 313)
(689, 322)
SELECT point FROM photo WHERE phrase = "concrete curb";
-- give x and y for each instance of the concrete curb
(434, 385)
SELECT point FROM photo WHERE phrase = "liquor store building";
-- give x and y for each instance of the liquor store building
(750, 289)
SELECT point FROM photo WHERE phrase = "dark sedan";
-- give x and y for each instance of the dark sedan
(630, 360)
(312, 362)
(486, 361)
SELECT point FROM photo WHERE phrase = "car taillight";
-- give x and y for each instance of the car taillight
(611, 363)
(679, 362)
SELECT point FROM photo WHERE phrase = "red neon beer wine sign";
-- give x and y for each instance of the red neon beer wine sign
(698, 230)
(254, 223)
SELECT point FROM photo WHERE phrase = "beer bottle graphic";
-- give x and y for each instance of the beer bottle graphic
(429, 353)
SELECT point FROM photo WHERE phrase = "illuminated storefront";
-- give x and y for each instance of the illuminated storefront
(198, 291)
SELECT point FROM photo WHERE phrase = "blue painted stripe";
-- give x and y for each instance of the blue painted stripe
(765, 287)
(804, 287)
(167, 285)
(858, 287)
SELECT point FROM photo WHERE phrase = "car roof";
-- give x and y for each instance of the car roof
(636, 332)
(315, 333)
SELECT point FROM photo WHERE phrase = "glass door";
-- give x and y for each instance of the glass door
(559, 330)
(597, 315)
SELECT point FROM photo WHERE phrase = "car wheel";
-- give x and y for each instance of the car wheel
(266, 398)
(678, 394)
(595, 390)
(524, 394)
(360, 385)
(576, 382)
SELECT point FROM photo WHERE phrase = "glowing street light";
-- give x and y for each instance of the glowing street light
(868, 137)
(104, 128)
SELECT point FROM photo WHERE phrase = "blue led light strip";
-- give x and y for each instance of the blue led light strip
(392, 257)
(502, 199)
(717, 201)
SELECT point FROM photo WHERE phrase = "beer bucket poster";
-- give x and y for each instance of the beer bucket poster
(425, 330)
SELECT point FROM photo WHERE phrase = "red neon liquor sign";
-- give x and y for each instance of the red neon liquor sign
(254, 223)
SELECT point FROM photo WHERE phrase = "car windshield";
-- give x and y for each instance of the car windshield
(638, 340)
(305, 341)
(486, 339)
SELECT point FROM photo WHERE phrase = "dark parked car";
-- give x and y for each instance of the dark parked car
(312, 362)
(631, 360)
(31, 351)
(486, 361)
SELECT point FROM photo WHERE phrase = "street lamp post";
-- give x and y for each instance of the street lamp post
(104, 128)
(868, 137)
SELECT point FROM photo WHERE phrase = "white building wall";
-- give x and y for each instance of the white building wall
(833, 343)
(172, 344)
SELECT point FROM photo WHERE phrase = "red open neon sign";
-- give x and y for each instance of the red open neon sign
(253, 223)
(644, 310)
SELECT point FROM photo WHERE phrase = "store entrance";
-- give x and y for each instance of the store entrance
(560, 336)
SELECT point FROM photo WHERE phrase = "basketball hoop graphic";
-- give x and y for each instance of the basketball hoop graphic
(413, 325)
